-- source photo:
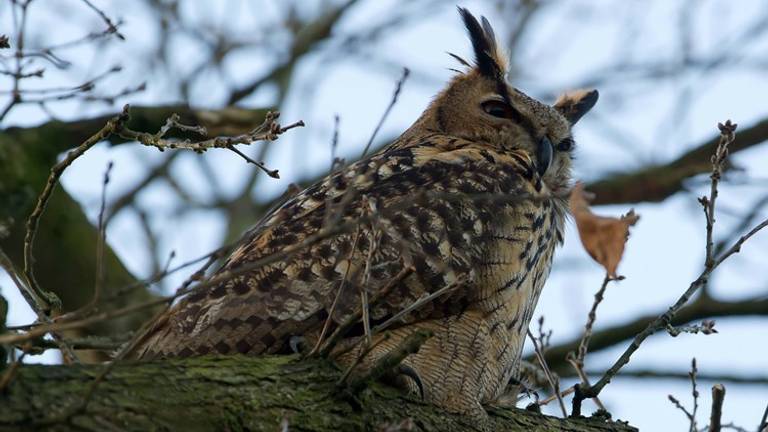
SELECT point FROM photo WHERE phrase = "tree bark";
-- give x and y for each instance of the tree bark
(234, 393)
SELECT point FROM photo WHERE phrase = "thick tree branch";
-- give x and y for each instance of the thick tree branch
(656, 183)
(233, 393)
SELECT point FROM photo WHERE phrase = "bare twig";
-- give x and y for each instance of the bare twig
(19, 24)
(364, 305)
(269, 130)
(718, 396)
(577, 360)
(718, 159)
(395, 94)
(101, 239)
(706, 327)
(736, 248)
(561, 395)
(110, 25)
(581, 353)
(545, 337)
(763, 426)
(421, 301)
(331, 311)
(44, 301)
(553, 382)
(727, 136)
(335, 144)
(584, 378)
(680, 406)
(695, 394)
(344, 327)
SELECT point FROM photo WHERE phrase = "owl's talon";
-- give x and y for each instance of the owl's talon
(411, 373)
(298, 344)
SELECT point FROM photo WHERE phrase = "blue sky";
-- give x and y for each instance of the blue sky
(572, 42)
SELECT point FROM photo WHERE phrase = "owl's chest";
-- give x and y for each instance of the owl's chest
(515, 261)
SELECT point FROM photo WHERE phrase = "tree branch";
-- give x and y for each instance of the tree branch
(234, 393)
(658, 182)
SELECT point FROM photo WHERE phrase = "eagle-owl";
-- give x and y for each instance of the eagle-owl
(472, 195)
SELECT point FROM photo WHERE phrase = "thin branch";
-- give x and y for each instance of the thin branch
(727, 131)
(344, 327)
(706, 327)
(695, 394)
(553, 382)
(560, 395)
(763, 426)
(584, 378)
(332, 310)
(364, 305)
(44, 300)
(395, 94)
(679, 406)
(111, 27)
(718, 160)
(101, 239)
(421, 301)
(269, 130)
(577, 360)
(581, 353)
(335, 144)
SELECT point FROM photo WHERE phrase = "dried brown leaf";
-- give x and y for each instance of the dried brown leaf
(603, 237)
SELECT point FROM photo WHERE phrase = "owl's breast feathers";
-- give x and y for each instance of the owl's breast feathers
(455, 211)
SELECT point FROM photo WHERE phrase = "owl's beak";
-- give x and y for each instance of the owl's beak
(544, 155)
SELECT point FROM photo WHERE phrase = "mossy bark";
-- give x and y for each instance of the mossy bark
(233, 393)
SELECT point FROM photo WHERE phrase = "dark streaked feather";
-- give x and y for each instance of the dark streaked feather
(460, 60)
(483, 46)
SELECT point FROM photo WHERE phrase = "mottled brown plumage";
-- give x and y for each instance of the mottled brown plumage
(473, 194)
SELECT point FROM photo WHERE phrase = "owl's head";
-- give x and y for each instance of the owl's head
(479, 105)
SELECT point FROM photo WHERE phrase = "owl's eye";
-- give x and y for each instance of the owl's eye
(565, 145)
(497, 109)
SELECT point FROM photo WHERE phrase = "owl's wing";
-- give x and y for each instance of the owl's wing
(421, 206)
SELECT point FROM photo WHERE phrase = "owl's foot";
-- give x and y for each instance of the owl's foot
(477, 418)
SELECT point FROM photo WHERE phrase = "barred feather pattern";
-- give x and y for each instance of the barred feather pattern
(482, 222)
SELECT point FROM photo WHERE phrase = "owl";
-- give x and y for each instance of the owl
(451, 228)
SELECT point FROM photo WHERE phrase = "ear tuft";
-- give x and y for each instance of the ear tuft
(488, 58)
(575, 104)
